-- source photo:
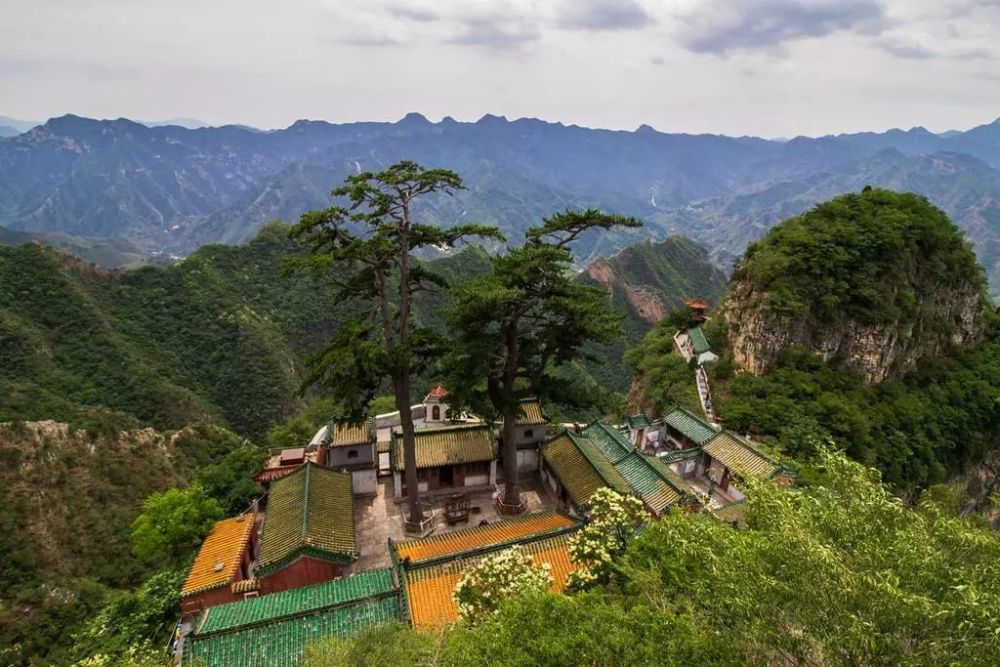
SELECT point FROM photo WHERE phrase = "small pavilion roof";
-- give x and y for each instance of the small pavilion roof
(344, 434)
(531, 413)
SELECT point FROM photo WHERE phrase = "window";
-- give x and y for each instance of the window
(352, 453)
(435, 413)
(529, 433)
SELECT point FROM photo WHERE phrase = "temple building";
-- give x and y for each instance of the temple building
(450, 458)
(308, 531)
(285, 461)
(698, 308)
(276, 629)
(436, 405)
(728, 453)
(224, 559)
(529, 433)
(577, 464)
(432, 566)
(684, 430)
(351, 448)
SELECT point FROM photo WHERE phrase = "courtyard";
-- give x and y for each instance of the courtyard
(380, 517)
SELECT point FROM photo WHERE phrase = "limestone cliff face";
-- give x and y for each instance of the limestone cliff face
(944, 319)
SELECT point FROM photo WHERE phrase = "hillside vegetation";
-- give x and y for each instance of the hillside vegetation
(879, 280)
(864, 323)
(837, 572)
(647, 281)
(217, 337)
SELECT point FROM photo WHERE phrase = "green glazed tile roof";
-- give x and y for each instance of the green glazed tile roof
(311, 509)
(282, 642)
(601, 463)
(654, 489)
(637, 421)
(609, 440)
(446, 446)
(581, 466)
(663, 468)
(739, 455)
(691, 425)
(296, 601)
(680, 455)
(698, 341)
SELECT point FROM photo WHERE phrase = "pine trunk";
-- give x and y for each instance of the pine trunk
(512, 485)
(402, 387)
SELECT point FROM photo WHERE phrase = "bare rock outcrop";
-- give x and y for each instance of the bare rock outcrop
(945, 320)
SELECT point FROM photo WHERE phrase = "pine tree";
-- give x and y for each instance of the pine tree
(367, 250)
(513, 328)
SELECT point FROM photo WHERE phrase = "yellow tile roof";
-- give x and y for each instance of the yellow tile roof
(344, 434)
(531, 413)
(446, 446)
(571, 467)
(430, 589)
(478, 537)
(739, 455)
(218, 560)
(313, 508)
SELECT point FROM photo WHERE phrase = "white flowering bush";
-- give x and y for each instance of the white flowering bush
(614, 519)
(497, 578)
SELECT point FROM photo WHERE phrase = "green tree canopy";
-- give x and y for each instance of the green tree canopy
(514, 327)
(173, 524)
(367, 249)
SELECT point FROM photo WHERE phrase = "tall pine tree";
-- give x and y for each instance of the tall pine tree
(514, 327)
(367, 249)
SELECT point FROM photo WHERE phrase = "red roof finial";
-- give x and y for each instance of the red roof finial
(438, 391)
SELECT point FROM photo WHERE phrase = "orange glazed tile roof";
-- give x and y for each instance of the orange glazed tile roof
(438, 391)
(430, 590)
(218, 560)
(479, 537)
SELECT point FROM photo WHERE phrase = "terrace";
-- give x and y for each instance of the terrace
(379, 518)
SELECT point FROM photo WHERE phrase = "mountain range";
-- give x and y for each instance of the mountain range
(170, 189)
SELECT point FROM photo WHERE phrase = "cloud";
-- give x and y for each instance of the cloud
(411, 12)
(906, 48)
(494, 33)
(723, 26)
(604, 15)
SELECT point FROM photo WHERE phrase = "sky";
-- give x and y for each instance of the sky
(773, 68)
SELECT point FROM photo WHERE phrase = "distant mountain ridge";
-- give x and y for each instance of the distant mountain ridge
(174, 189)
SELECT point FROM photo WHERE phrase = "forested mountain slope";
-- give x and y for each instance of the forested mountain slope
(221, 336)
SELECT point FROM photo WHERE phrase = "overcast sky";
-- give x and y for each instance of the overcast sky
(764, 67)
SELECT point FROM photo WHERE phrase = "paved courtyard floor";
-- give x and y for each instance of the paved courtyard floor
(380, 517)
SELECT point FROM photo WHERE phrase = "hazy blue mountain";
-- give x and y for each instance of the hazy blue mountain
(174, 189)
(17, 124)
(189, 123)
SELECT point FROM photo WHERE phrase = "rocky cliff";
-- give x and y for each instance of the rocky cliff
(877, 282)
